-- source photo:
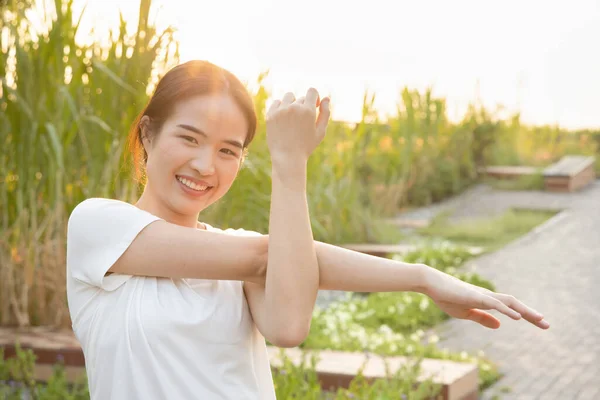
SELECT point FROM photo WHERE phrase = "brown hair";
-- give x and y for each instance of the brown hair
(193, 78)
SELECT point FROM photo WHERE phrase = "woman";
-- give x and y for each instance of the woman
(166, 307)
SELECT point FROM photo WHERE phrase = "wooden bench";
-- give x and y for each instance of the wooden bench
(335, 369)
(569, 174)
(387, 250)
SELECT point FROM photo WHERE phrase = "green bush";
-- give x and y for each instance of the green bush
(17, 379)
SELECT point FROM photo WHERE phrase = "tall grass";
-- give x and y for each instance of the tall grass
(65, 108)
(508, 141)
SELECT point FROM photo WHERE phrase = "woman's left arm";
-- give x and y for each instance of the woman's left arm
(343, 269)
(348, 270)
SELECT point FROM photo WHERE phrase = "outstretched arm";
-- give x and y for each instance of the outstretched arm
(352, 271)
(348, 270)
(343, 269)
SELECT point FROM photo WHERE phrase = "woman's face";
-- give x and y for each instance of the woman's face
(196, 156)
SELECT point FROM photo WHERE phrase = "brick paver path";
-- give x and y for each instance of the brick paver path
(555, 270)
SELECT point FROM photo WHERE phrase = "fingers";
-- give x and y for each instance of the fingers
(312, 97)
(288, 99)
(483, 318)
(491, 303)
(324, 114)
(274, 106)
(528, 313)
(522, 311)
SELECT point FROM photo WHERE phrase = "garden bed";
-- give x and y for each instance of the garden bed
(42, 360)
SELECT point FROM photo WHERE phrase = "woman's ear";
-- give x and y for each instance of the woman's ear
(144, 127)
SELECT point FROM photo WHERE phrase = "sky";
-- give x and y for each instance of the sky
(541, 58)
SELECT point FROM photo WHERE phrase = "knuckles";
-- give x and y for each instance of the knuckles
(300, 109)
(293, 109)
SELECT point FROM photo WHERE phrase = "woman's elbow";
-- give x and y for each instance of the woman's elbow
(291, 337)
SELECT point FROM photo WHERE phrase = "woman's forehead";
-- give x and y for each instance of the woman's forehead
(218, 111)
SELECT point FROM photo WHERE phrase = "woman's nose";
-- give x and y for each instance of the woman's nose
(204, 163)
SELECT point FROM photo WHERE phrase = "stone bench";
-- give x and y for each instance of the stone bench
(335, 369)
(569, 174)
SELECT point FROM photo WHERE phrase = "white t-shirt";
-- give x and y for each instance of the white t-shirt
(157, 338)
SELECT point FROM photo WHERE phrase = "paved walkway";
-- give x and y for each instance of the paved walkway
(556, 270)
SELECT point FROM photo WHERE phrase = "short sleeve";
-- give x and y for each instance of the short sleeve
(98, 233)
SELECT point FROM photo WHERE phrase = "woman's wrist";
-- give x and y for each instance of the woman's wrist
(290, 173)
(421, 278)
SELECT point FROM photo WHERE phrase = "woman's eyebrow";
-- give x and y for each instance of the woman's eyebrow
(190, 128)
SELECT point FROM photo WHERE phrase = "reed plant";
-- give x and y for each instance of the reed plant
(66, 108)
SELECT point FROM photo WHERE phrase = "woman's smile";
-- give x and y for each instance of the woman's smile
(193, 188)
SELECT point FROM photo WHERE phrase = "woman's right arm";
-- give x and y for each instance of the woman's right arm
(163, 249)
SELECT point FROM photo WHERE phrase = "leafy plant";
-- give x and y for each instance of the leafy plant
(17, 380)
(66, 108)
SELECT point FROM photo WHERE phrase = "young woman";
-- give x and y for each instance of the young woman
(167, 307)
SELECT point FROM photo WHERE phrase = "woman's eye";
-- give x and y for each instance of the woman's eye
(229, 152)
(190, 139)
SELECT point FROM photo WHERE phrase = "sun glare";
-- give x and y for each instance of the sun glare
(465, 50)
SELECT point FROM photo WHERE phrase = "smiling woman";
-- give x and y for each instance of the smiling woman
(215, 124)
(161, 302)
(198, 149)
(165, 306)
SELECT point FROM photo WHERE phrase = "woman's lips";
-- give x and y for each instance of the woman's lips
(192, 192)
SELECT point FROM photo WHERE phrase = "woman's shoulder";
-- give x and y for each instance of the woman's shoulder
(100, 210)
(100, 201)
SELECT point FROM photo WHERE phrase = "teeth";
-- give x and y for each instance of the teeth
(191, 184)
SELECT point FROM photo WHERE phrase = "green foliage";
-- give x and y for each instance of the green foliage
(297, 381)
(415, 157)
(65, 109)
(517, 144)
(443, 256)
(63, 138)
(17, 380)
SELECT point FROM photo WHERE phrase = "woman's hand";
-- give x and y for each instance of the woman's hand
(293, 129)
(465, 301)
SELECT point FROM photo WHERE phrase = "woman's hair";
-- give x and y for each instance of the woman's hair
(190, 79)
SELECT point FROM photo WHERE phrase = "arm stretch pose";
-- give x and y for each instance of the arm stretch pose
(168, 307)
